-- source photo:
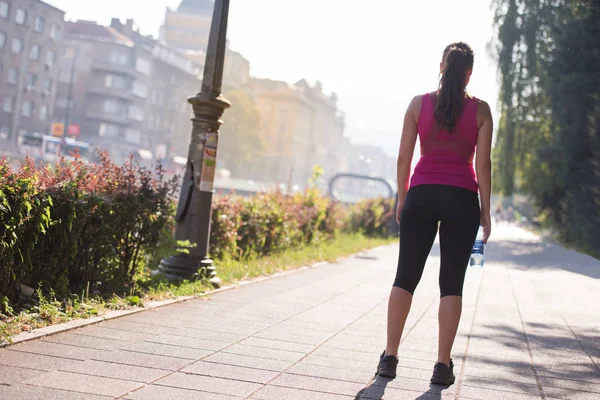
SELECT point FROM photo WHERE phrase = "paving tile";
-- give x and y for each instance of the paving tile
(570, 384)
(13, 375)
(143, 360)
(568, 394)
(155, 392)
(318, 371)
(249, 361)
(91, 342)
(230, 372)
(375, 392)
(166, 350)
(291, 337)
(116, 371)
(128, 336)
(26, 392)
(278, 345)
(481, 393)
(262, 352)
(194, 343)
(84, 383)
(217, 385)
(207, 334)
(318, 384)
(136, 327)
(33, 361)
(284, 393)
(346, 354)
(57, 350)
(502, 385)
(354, 365)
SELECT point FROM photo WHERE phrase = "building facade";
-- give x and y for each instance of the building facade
(188, 27)
(104, 85)
(31, 42)
(174, 78)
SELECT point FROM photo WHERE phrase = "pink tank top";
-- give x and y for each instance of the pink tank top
(447, 158)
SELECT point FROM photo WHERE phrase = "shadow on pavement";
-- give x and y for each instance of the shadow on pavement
(562, 362)
(527, 255)
(376, 391)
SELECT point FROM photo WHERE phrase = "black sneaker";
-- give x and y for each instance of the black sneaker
(387, 366)
(443, 374)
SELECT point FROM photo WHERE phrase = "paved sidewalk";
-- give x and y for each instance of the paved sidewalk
(530, 329)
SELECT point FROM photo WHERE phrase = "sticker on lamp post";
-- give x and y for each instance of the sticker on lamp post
(209, 163)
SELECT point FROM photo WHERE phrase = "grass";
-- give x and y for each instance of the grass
(47, 310)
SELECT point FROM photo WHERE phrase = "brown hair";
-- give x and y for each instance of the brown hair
(458, 59)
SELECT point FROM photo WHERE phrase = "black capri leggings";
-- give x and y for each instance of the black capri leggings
(456, 210)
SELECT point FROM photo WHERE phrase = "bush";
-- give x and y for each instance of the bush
(76, 224)
(371, 217)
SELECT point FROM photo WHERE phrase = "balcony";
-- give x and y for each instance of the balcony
(117, 68)
(123, 94)
(99, 115)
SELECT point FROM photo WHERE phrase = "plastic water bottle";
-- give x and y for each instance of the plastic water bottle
(477, 253)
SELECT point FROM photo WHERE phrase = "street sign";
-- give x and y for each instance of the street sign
(73, 130)
(58, 129)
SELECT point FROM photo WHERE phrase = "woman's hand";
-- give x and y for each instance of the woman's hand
(399, 207)
(486, 223)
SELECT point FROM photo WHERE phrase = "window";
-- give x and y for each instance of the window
(115, 82)
(43, 113)
(133, 135)
(31, 80)
(2, 39)
(20, 16)
(50, 58)
(39, 25)
(111, 106)
(7, 104)
(136, 113)
(139, 89)
(26, 109)
(143, 65)
(17, 46)
(161, 99)
(12, 76)
(61, 102)
(154, 97)
(109, 130)
(47, 85)
(34, 52)
(4, 9)
(150, 121)
(65, 76)
(118, 58)
(53, 31)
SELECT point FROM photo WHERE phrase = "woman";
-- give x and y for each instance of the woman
(451, 126)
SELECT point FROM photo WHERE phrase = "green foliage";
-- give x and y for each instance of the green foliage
(78, 224)
(371, 217)
(240, 142)
(548, 144)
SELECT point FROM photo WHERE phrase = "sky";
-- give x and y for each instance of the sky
(375, 54)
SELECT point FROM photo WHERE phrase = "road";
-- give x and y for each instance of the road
(530, 330)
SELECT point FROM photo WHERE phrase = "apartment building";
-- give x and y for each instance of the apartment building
(31, 42)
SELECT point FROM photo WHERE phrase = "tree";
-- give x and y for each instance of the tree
(240, 140)
(548, 144)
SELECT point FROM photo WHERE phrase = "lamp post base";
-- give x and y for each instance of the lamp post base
(180, 267)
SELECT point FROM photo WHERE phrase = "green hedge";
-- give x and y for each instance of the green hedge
(77, 225)
(97, 226)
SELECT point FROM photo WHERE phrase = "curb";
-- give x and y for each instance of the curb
(80, 323)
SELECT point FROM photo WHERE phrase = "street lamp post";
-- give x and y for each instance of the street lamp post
(195, 201)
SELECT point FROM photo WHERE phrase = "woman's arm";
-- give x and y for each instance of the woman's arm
(407, 148)
(483, 165)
